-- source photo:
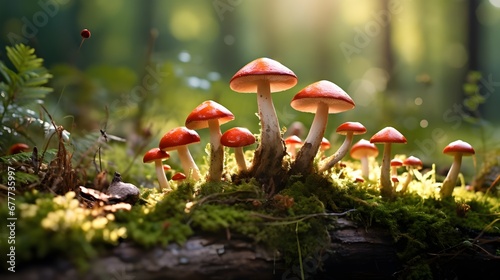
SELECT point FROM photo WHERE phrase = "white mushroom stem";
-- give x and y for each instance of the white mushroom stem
(268, 156)
(188, 163)
(160, 173)
(216, 152)
(451, 179)
(292, 150)
(240, 159)
(270, 129)
(394, 171)
(318, 127)
(409, 177)
(365, 168)
(306, 154)
(385, 178)
(330, 161)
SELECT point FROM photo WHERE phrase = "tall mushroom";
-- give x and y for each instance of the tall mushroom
(320, 98)
(348, 129)
(157, 156)
(457, 149)
(237, 138)
(265, 76)
(363, 150)
(178, 139)
(387, 136)
(411, 164)
(211, 114)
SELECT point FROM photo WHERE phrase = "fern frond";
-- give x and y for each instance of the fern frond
(21, 87)
(24, 86)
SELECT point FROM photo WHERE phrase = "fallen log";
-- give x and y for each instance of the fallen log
(354, 253)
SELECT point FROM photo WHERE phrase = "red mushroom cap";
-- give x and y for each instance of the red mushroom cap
(155, 154)
(18, 148)
(388, 135)
(85, 33)
(293, 140)
(413, 161)
(396, 162)
(325, 144)
(457, 147)
(179, 176)
(363, 148)
(179, 136)
(354, 127)
(166, 167)
(237, 137)
(206, 111)
(308, 98)
(247, 78)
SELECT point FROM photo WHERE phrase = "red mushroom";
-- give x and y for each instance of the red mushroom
(457, 149)
(363, 150)
(179, 177)
(395, 163)
(237, 138)
(18, 148)
(325, 145)
(387, 136)
(411, 163)
(265, 76)
(157, 156)
(211, 114)
(320, 98)
(178, 139)
(348, 129)
(292, 142)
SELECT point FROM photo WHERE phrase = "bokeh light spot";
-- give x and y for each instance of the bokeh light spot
(184, 56)
(424, 123)
(418, 101)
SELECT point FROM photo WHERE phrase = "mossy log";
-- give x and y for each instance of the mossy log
(355, 253)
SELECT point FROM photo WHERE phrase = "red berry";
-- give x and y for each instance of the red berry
(85, 33)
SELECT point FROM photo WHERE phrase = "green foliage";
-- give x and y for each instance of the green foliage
(21, 88)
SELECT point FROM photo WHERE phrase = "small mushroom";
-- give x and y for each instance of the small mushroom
(211, 114)
(320, 98)
(457, 149)
(157, 156)
(325, 145)
(363, 150)
(387, 136)
(18, 148)
(411, 164)
(349, 129)
(178, 139)
(179, 177)
(292, 142)
(237, 138)
(395, 164)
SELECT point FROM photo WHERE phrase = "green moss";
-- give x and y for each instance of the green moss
(296, 216)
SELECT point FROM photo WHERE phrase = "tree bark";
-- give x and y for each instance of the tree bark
(355, 253)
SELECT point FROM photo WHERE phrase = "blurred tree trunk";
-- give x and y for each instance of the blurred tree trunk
(473, 34)
(387, 52)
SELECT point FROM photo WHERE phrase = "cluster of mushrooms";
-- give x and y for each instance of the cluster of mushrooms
(265, 76)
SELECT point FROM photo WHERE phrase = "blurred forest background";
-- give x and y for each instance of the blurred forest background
(404, 63)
